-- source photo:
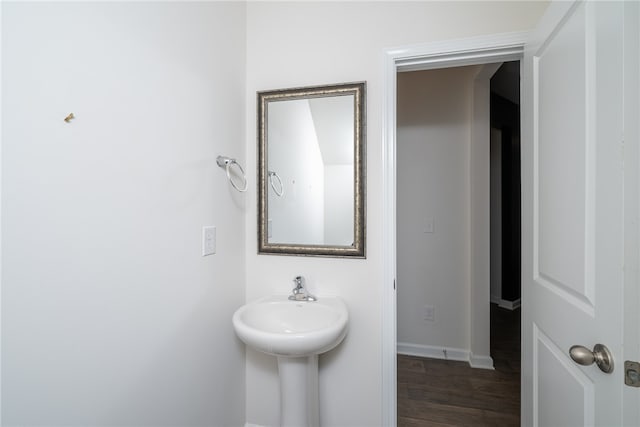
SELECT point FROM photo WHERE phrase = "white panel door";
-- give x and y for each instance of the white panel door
(573, 237)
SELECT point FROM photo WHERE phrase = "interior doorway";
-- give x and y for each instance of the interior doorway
(472, 51)
(435, 199)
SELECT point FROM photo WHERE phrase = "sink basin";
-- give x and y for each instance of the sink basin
(278, 326)
(296, 332)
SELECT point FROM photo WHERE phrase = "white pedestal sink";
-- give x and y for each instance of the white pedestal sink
(296, 332)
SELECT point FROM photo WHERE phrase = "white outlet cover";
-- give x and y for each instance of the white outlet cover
(429, 313)
(428, 225)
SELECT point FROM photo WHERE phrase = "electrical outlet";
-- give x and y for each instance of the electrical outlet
(429, 313)
(428, 225)
(208, 240)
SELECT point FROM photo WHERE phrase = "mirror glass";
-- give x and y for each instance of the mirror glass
(310, 168)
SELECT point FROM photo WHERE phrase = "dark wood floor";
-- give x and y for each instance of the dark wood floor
(434, 392)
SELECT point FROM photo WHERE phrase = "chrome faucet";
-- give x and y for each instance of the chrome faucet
(299, 293)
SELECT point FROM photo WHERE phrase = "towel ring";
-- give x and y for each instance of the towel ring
(226, 163)
(280, 192)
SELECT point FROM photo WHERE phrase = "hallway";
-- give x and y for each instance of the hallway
(434, 392)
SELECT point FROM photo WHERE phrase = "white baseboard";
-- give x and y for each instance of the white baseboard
(448, 353)
(252, 425)
(433, 352)
(503, 303)
(480, 362)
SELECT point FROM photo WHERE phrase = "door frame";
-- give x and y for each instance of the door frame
(445, 54)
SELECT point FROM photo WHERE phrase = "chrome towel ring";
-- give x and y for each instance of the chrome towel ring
(280, 192)
(226, 163)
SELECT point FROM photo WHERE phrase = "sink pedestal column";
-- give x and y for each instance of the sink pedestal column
(299, 391)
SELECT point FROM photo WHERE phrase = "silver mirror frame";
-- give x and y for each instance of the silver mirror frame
(357, 250)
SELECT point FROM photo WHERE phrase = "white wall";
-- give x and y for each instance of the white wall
(338, 204)
(309, 43)
(110, 315)
(443, 176)
(433, 181)
(333, 118)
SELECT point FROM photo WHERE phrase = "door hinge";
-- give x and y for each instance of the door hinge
(394, 284)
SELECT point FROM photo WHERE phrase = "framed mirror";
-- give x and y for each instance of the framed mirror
(311, 166)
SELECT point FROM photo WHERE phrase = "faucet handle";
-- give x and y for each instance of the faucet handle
(299, 293)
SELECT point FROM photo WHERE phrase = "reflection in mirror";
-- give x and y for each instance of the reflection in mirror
(318, 206)
(311, 191)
